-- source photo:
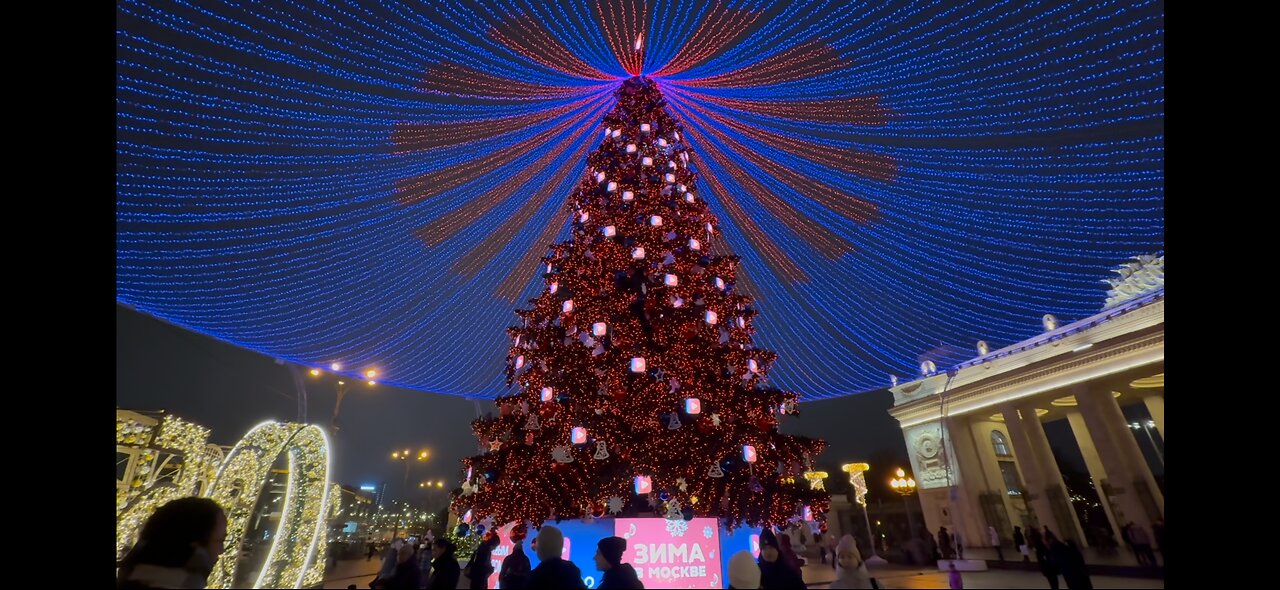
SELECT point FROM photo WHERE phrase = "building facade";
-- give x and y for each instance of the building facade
(976, 433)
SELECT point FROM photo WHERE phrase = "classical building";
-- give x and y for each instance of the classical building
(976, 432)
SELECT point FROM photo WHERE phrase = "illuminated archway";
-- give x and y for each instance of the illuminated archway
(296, 557)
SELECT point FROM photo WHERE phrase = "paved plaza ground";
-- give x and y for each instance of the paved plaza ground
(360, 573)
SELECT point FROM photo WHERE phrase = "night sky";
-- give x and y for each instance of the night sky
(230, 389)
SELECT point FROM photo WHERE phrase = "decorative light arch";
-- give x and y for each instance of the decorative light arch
(292, 560)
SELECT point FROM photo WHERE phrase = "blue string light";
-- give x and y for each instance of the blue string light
(335, 181)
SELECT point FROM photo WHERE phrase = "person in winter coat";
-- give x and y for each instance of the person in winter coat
(515, 568)
(1070, 562)
(774, 571)
(1020, 541)
(617, 575)
(177, 547)
(444, 568)
(944, 544)
(481, 566)
(406, 575)
(744, 574)
(954, 580)
(424, 564)
(851, 570)
(390, 556)
(553, 572)
(789, 556)
(1047, 567)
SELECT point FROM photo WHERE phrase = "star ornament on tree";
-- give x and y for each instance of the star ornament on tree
(495, 445)
(615, 505)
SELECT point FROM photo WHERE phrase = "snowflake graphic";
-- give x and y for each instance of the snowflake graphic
(677, 528)
(706, 532)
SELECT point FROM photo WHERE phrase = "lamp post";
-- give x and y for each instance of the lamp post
(859, 482)
(1147, 426)
(905, 486)
(405, 456)
(369, 375)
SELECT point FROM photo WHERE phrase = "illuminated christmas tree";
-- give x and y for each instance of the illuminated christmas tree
(636, 368)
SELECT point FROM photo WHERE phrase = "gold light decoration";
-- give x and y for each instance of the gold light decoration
(167, 458)
(298, 552)
(815, 479)
(856, 473)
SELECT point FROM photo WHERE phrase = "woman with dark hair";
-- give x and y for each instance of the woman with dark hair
(177, 548)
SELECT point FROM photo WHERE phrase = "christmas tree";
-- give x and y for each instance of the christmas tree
(637, 375)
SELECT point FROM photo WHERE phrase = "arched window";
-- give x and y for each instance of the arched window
(1001, 445)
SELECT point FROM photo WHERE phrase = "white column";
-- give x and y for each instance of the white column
(1032, 471)
(1094, 464)
(1068, 524)
(1120, 456)
(967, 469)
(1155, 407)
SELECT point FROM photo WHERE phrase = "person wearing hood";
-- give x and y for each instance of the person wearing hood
(444, 568)
(744, 574)
(774, 571)
(617, 575)
(553, 572)
(851, 570)
(178, 546)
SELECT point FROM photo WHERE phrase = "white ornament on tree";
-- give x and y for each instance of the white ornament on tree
(601, 451)
(715, 419)
(682, 484)
(674, 423)
(715, 471)
(615, 505)
(533, 423)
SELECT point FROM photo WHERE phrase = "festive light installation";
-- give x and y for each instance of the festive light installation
(299, 543)
(165, 458)
(660, 368)
(892, 174)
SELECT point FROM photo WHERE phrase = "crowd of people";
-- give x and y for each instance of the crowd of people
(179, 544)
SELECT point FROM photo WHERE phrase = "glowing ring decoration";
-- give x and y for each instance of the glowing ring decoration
(292, 561)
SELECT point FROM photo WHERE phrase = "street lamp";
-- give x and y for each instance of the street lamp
(1147, 426)
(859, 482)
(905, 486)
(405, 456)
(342, 391)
